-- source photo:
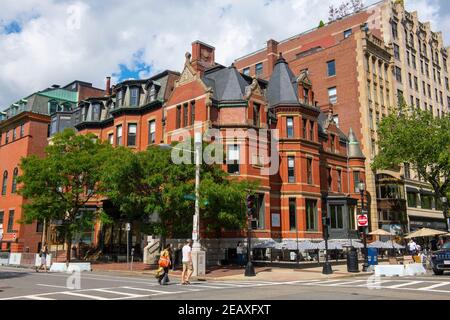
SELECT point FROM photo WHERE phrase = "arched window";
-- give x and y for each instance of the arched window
(5, 182)
(14, 180)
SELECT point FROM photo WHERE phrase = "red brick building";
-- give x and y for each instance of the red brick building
(24, 130)
(362, 64)
(313, 165)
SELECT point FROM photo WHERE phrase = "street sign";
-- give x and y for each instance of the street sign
(128, 227)
(365, 212)
(363, 220)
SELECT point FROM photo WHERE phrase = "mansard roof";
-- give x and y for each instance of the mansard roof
(282, 88)
(227, 83)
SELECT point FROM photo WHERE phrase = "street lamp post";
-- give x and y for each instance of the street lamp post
(249, 268)
(198, 256)
(362, 189)
(325, 223)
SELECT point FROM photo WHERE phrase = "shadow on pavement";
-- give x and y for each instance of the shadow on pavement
(4, 275)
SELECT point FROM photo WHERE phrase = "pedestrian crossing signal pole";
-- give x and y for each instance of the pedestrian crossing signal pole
(249, 269)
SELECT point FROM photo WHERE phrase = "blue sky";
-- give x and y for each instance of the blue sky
(45, 42)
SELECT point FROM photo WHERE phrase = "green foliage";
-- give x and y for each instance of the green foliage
(60, 184)
(321, 24)
(410, 135)
(149, 187)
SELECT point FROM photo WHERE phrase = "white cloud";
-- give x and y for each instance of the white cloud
(56, 45)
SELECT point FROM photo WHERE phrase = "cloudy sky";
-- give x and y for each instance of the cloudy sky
(45, 42)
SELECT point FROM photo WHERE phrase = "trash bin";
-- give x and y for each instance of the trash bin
(352, 261)
(293, 256)
(372, 256)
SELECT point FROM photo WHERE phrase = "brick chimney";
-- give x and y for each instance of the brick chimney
(203, 56)
(272, 54)
(108, 87)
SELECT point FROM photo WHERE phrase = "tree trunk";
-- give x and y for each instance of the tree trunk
(68, 248)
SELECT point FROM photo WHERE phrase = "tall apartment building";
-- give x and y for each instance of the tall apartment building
(362, 64)
(24, 130)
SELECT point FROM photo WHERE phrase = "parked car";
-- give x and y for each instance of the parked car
(440, 260)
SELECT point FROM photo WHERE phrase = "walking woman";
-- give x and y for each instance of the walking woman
(165, 261)
(43, 255)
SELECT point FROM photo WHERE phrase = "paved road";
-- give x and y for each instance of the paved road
(22, 284)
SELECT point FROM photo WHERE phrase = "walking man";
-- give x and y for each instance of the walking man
(188, 267)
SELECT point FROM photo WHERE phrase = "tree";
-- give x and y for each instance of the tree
(321, 24)
(410, 135)
(148, 186)
(344, 9)
(58, 186)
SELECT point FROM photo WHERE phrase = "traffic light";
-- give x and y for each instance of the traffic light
(250, 204)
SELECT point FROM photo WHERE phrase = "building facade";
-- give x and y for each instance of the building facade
(363, 64)
(317, 167)
(24, 131)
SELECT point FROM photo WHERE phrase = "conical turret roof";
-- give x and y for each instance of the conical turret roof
(282, 89)
(354, 148)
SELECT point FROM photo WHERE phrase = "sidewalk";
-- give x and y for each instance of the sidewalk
(233, 273)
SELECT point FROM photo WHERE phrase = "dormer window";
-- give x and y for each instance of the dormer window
(52, 107)
(119, 98)
(96, 112)
(151, 94)
(134, 97)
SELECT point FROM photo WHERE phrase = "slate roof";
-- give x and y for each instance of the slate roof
(354, 148)
(282, 89)
(322, 119)
(227, 84)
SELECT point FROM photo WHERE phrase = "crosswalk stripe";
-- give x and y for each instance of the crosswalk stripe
(116, 292)
(409, 283)
(88, 296)
(203, 286)
(38, 298)
(154, 291)
(434, 286)
(322, 282)
(346, 283)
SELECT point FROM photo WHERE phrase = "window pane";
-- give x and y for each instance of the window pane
(291, 169)
(332, 95)
(331, 68)
(292, 214)
(290, 127)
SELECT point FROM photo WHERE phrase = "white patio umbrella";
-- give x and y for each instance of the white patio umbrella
(266, 244)
(392, 244)
(377, 244)
(354, 243)
(381, 232)
(332, 245)
(424, 233)
(302, 245)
